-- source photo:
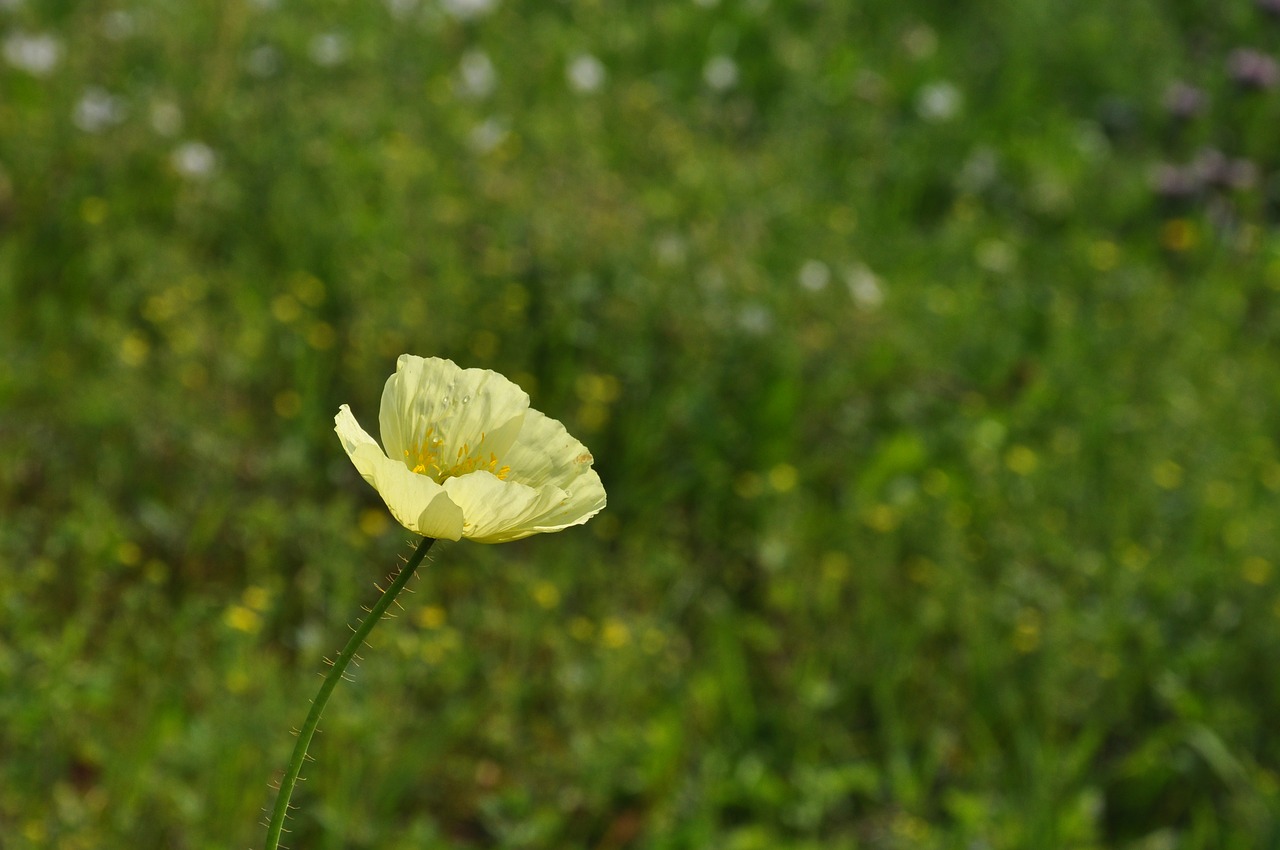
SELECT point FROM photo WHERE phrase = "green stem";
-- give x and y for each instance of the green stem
(330, 682)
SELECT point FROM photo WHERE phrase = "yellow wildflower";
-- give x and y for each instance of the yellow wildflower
(465, 456)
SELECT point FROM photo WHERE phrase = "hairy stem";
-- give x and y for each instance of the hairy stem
(308, 730)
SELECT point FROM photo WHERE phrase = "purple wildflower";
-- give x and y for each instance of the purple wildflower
(1214, 169)
(1184, 101)
(1175, 183)
(1252, 69)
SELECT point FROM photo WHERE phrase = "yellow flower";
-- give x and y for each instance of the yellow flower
(467, 457)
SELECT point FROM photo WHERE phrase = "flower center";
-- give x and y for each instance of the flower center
(426, 458)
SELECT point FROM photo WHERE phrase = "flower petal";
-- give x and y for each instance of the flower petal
(469, 411)
(545, 453)
(493, 508)
(416, 501)
(584, 499)
(499, 511)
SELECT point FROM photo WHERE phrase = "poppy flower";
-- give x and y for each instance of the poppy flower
(464, 456)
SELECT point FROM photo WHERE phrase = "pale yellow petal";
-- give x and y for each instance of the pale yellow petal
(499, 511)
(457, 413)
(545, 453)
(416, 501)
(492, 507)
(584, 499)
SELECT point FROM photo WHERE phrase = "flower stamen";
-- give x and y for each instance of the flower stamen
(424, 459)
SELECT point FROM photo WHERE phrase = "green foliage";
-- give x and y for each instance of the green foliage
(938, 428)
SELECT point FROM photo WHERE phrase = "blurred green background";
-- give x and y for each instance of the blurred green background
(928, 352)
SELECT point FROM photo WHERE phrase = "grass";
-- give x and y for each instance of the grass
(939, 439)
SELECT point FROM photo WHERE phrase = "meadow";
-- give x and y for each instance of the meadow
(928, 352)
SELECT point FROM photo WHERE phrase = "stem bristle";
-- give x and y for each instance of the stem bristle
(292, 775)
